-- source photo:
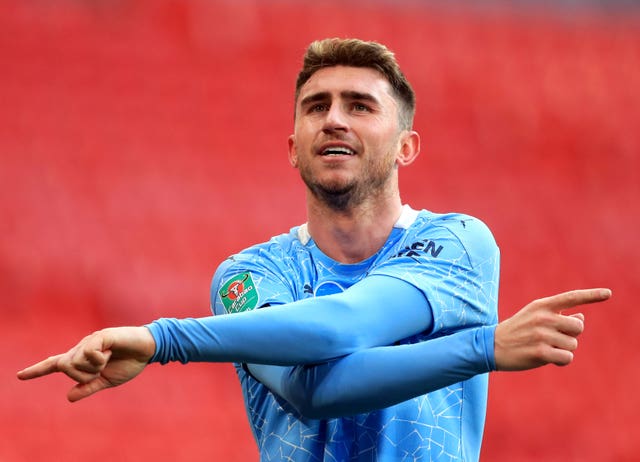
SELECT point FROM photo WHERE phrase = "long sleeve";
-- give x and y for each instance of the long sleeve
(379, 377)
(378, 310)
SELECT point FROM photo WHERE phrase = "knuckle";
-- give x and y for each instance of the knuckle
(537, 337)
(572, 297)
(63, 363)
(573, 344)
(579, 326)
(565, 359)
(537, 304)
(540, 352)
(542, 318)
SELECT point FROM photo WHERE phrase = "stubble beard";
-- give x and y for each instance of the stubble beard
(344, 195)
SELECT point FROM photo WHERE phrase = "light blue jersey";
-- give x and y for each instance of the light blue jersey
(452, 259)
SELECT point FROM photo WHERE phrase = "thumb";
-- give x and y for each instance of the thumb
(83, 390)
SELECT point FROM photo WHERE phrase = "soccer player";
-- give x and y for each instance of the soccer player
(365, 334)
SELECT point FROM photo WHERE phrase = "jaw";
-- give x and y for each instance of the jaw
(338, 184)
(342, 191)
(334, 189)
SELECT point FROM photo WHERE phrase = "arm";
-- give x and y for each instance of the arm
(104, 359)
(453, 261)
(532, 337)
(378, 310)
(380, 377)
(371, 379)
(312, 330)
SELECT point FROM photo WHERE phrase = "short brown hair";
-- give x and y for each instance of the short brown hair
(358, 53)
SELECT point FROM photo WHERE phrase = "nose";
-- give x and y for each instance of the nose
(335, 120)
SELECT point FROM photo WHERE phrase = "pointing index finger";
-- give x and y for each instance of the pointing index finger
(574, 298)
(48, 366)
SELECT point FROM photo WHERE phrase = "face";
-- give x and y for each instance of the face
(347, 141)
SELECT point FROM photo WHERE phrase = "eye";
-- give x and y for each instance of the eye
(319, 107)
(359, 107)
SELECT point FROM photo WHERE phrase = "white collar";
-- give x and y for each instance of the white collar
(406, 219)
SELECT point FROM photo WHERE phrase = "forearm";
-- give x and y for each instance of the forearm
(377, 311)
(380, 377)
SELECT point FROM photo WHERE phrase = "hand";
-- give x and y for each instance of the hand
(104, 359)
(540, 334)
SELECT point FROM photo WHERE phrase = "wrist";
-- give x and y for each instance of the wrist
(130, 341)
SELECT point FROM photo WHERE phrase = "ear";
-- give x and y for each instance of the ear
(409, 148)
(293, 155)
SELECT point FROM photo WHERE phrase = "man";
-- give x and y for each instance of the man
(380, 321)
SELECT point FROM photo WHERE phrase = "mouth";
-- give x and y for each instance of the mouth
(337, 151)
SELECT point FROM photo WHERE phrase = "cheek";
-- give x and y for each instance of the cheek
(303, 137)
(385, 145)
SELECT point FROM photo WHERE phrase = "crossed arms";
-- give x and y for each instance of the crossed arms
(536, 335)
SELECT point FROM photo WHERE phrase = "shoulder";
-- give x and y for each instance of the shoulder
(458, 224)
(468, 233)
(272, 254)
(267, 266)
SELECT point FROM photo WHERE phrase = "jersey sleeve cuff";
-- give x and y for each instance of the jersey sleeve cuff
(488, 338)
(156, 333)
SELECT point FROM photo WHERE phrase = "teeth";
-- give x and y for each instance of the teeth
(338, 151)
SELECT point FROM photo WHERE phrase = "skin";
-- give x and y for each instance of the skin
(541, 334)
(104, 359)
(537, 335)
(353, 202)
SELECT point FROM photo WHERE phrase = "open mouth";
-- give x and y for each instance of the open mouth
(337, 151)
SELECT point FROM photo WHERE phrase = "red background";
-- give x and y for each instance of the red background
(142, 142)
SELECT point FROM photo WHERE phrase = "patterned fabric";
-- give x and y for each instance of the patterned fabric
(453, 260)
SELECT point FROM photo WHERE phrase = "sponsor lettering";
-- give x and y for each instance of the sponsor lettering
(424, 247)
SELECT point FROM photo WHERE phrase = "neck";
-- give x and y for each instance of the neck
(353, 234)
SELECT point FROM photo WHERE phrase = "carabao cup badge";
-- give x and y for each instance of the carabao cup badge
(239, 293)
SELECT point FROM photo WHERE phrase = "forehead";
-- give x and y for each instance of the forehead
(339, 79)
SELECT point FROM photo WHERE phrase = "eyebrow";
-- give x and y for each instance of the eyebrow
(347, 94)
